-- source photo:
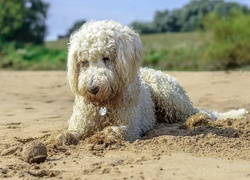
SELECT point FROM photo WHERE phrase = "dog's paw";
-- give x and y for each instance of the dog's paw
(114, 132)
(108, 136)
(66, 138)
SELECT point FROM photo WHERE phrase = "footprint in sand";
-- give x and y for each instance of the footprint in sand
(15, 125)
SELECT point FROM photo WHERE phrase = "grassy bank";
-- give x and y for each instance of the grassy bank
(175, 51)
(16, 56)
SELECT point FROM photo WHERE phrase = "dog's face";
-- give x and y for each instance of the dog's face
(104, 58)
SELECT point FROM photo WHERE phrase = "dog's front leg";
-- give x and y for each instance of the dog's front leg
(76, 129)
(67, 138)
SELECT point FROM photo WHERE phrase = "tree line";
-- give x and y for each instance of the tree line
(24, 20)
(187, 18)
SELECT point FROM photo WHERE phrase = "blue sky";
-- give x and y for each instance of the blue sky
(64, 13)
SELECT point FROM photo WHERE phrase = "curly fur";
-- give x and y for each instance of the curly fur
(104, 71)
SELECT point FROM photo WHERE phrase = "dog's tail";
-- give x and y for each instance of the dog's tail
(231, 114)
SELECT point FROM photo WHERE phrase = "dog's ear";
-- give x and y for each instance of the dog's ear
(73, 68)
(129, 54)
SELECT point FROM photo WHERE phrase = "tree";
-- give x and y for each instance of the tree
(143, 27)
(75, 26)
(23, 20)
(161, 21)
(10, 20)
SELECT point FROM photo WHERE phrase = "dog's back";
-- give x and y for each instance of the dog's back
(172, 104)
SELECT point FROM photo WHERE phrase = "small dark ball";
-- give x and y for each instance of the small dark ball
(34, 152)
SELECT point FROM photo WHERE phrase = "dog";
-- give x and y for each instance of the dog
(112, 90)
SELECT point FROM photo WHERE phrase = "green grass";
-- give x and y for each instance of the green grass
(170, 40)
(29, 57)
(175, 51)
(61, 44)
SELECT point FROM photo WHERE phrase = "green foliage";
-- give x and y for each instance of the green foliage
(229, 46)
(33, 57)
(10, 20)
(175, 51)
(188, 18)
(224, 45)
(23, 20)
(143, 27)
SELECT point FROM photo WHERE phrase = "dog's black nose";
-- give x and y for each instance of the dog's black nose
(93, 90)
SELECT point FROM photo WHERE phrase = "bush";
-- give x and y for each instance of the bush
(229, 47)
(32, 57)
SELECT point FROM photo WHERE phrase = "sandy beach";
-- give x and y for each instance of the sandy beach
(36, 105)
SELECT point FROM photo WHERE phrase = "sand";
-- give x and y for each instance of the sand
(37, 105)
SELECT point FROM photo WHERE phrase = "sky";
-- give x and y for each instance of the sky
(63, 14)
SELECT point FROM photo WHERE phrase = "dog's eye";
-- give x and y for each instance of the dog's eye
(105, 60)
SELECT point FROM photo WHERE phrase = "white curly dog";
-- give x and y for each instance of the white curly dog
(112, 91)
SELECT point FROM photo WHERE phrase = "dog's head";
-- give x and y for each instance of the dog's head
(103, 59)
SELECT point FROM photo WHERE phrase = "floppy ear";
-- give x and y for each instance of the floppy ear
(129, 54)
(73, 68)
